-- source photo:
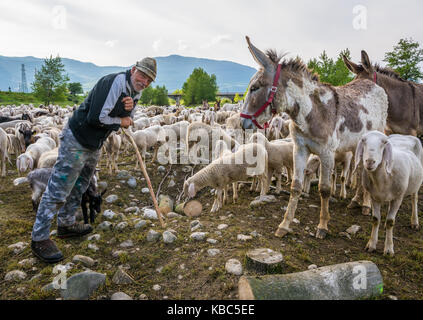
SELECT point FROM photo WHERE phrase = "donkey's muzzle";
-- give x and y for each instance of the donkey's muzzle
(247, 124)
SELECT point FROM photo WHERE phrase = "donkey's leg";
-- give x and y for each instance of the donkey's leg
(300, 161)
(371, 245)
(326, 166)
(414, 212)
(389, 227)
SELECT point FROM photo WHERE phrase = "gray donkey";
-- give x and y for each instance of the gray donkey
(325, 119)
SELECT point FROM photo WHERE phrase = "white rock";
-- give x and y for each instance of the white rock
(127, 244)
(199, 236)
(18, 247)
(156, 287)
(222, 226)
(169, 237)
(121, 225)
(132, 182)
(213, 252)
(120, 296)
(149, 214)
(93, 247)
(87, 261)
(145, 190)
(27, 262)
(233, 266)
(141, 224)
(105, 225)
(15, 275)
(212, 241)
(243, 237)
(117, 253)
(112, 198)
(353, 229)
(132, 210)
(109, 214)
(153, 235)
(311, 267)
(173, 215)
(94, 237)
(295, 220)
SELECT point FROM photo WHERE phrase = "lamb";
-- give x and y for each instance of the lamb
(112, 146)
(392, 169)
(29, 159)
(221, 151)
(48, 158)
(145, 139)
(202, 137)
(38, 180)
(249, 160)
(280, 154)
(313, 163)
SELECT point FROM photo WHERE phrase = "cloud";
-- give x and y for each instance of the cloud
(220, 39)
(182, 46)
(157, 44)
(111, 43)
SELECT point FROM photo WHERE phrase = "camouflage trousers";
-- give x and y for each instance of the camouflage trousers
(70, 177)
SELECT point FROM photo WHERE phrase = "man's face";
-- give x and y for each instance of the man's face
(139, 79)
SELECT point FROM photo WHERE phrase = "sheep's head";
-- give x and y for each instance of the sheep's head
(374, 149)
(189, 189)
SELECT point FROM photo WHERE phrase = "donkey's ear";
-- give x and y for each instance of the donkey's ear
(259, 56)
(351, 65)
(365, 61)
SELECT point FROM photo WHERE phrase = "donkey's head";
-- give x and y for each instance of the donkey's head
(259, 87)
(363, 71)
(293, 73)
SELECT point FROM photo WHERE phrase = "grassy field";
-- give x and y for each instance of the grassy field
(187, 272)
(18, 98)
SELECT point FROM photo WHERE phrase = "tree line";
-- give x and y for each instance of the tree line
(52, 84)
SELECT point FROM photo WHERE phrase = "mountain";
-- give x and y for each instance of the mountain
(172, 72)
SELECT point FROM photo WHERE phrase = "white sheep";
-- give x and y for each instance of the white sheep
(29, 159)
(4, 142)
(48, 159)
(250, 160)
(112, 146)
(392, 169)
(280, 154)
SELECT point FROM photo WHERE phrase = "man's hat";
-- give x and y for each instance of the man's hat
(148, 66)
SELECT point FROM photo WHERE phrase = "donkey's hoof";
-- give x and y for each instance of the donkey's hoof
(366, 211)
(321, 233)
(281, 232)
(353, 205)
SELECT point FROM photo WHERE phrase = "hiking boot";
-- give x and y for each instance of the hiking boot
(47, 251)
(73, 231)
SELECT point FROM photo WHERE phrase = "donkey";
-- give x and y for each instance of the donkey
(405, 112)
(325, 119)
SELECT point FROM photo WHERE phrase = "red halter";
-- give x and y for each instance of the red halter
(375, 77)
(267, 103)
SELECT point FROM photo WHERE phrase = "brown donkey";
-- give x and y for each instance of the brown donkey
(405, 111)
(325, 119)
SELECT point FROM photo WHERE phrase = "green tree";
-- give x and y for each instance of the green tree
(75, 88)
(50, 82)
(236, 98)
(147, 96)
(156, 96)
(405, 59)
(160, 96)
(199, 86)
(330, 71)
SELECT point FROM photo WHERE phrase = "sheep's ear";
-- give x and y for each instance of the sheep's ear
(358, 155)
(387, 157)
(30, 163)
(191, 190)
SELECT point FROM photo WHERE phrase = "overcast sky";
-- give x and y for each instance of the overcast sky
(117, 33)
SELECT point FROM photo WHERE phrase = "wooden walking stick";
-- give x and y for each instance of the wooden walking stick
(144, 171)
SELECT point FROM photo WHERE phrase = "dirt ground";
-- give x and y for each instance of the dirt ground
(187, 270)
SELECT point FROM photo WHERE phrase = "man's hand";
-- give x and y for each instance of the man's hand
(126, 122)
(128, 103)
